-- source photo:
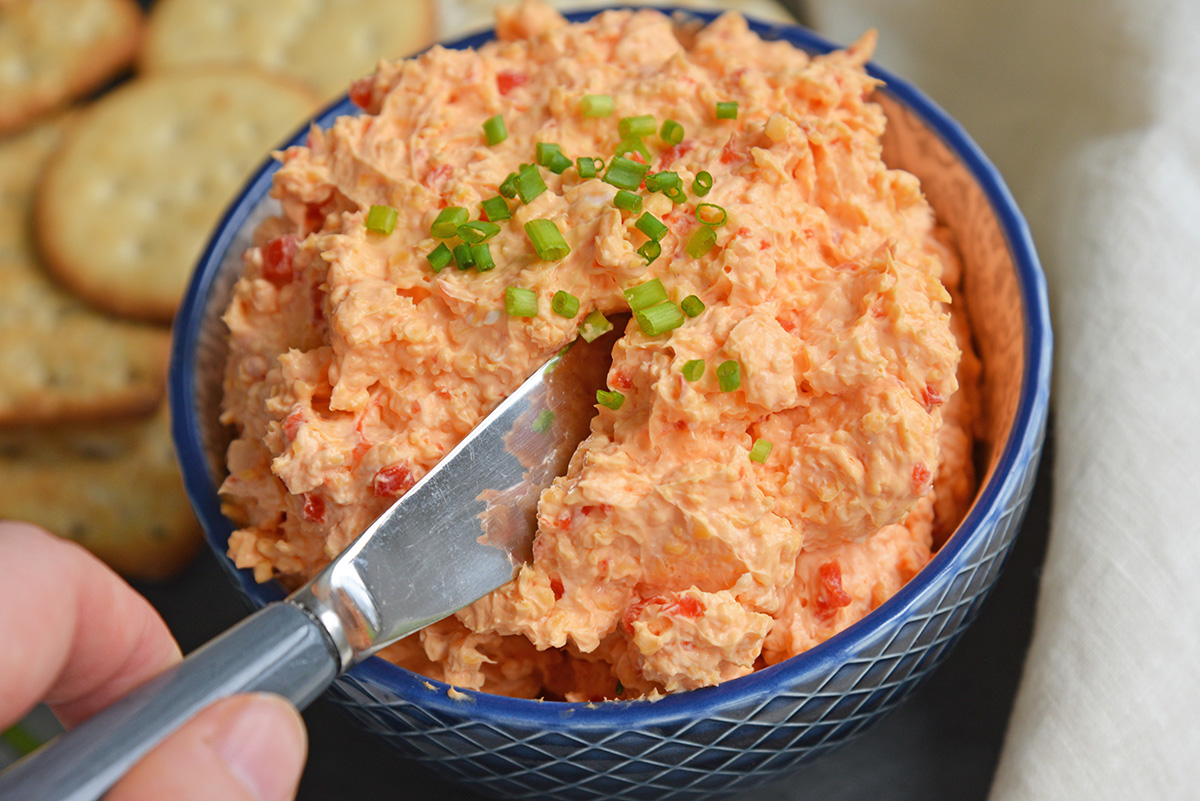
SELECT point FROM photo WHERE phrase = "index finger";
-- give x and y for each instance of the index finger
(74, 634)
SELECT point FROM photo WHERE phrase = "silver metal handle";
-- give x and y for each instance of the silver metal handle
(279, 649)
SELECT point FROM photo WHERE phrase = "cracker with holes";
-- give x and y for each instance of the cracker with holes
(325, 43)
(114, 488)
(52, 51)
(59, 358)
(142, 177)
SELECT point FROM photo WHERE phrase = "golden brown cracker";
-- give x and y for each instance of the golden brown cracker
(114, 488)
(325, 43)
(143, 175)
(52, 51)
(60, 359)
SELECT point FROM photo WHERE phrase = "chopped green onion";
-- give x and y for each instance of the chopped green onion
(727, 110)
(463, 256)
(693, 369)
(634, 145)
(729, 375)
(651, 226)
(594, 326)
(550, 156)
(701, 241)
(482, 255)
(508, 187)
(529, 183)
(477, 231)
(676, 194)
(661, 181)
(645, 294)
(558, 164)
(547, 239)
(650, 250)
(702, 183)
(382, 219)
(624, 173)
(496, 209)
(596, 105)
(610, 399)
(671, 132)
(542, 423)
(639, 126)
(588, 166)
(628, 201)
(520, 302)
(564, 304)
(761, 450)
(447, 222)
(711, 214)
(494, 130)
(692, 306)
(660, 318)
(440, 257)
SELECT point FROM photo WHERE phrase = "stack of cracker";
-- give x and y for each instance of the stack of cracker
(123, 136)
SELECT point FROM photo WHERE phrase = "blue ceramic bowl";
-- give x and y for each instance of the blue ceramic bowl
(749, 730)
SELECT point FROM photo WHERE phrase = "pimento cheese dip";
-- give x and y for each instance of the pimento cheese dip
(677, 552)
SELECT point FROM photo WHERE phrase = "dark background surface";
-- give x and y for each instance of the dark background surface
(943, 742)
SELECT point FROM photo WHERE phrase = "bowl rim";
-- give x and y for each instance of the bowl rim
(993, 497)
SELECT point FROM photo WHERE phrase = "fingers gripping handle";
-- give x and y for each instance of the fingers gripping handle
(279, 649)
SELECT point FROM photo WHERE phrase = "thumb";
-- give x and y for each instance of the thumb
(244, 748)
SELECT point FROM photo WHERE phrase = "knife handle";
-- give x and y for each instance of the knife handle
(279, 649)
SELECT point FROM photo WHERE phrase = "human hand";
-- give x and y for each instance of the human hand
(77, 637)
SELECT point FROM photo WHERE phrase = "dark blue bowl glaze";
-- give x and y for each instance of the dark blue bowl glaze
(689, 745)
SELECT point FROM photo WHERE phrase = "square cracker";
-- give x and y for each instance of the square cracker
(52, 51)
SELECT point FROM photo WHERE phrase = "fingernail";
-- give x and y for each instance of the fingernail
(264, 743)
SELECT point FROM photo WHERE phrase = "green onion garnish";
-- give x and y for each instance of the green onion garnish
(701, 241)
(650, 250)
(447, 222)
(529, 183)
(558, 164)
(693, 369)
(729, 375)
(610, 399)
(382, 219)
(594, 326)
(624, 173)
(463, 256)
(596, 105)
(692, 306)
(482, 255)
(671, 132)
(639, 126)
(660, 318)
(711, 214)
(550, 156)
(702, 183)
(588, 166)
(564, 304)
(627, 146)
(440, 257)
(676, 194)
(761, 450)
(508, 187)
(520, 302)
(494, 130)
(547, 239)
(661, 181)
(496, 208)
(628, 201)
(646, 294)
(727, 110)
(477, 231)
(651, 226)
(542, 423)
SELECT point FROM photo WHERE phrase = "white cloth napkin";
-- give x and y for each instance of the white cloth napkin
(1091, 111)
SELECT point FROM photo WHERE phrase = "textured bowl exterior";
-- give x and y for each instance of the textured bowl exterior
(747, 731)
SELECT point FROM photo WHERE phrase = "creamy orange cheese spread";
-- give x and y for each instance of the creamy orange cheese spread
(667, 559)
